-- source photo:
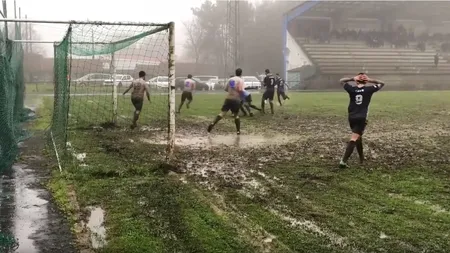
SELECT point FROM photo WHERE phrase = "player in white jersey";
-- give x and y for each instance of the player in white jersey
(235, 86)
(137, 96)
(188, 89)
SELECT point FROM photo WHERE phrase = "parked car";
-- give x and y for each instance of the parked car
(159, 82)
(120, 80)
(179, 82)
(92, 79)
(251, 82)
(221, 83)
(261, 77)
(211, 81)
(199, 85)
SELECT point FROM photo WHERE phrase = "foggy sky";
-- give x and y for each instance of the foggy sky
(157, 11)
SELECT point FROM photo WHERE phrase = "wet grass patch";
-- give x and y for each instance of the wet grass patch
(288, 197)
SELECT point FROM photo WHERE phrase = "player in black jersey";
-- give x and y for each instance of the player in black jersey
(358, 108)
(281, 89)
(269, 83)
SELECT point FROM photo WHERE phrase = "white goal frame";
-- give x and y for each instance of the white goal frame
(171, 65)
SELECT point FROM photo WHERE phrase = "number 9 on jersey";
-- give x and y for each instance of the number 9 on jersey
(358, 99)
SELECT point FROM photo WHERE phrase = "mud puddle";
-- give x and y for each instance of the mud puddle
(96, 227)
(30, 214)
(27, 213)
(241, 141)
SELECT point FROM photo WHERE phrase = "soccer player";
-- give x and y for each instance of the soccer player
(281, 91)
(246, 101)
(137, 96)
(188, 89)
(234, 88)
(269, 83)
(358, 108)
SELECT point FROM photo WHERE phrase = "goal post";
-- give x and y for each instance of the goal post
(96, 62)
(172, 88)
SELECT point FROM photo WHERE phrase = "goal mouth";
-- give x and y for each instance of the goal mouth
(93, 65)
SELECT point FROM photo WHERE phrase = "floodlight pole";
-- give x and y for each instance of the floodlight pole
(113, 77)
(5, 13)
(26, 35)
(30, 37)
(171, 88)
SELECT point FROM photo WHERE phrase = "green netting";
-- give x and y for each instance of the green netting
(62, 95)
(8, 243)
(86, 48)
(12, 112)
(91, 55)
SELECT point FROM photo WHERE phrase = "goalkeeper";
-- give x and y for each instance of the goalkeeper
(137, 96)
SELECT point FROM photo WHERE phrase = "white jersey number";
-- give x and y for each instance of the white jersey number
(272, 81)
(358, 99)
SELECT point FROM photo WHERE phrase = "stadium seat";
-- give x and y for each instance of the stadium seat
(343, 57)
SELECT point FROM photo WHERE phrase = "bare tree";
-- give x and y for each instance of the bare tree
(195, 36)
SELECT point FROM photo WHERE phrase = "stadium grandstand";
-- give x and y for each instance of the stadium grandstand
(405, 43)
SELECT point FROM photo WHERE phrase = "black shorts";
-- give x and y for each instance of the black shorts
(186, 95)
(357, 125)
(281, 93)
(248, 99)
(137, 102)
(268, 94)
(232, 105)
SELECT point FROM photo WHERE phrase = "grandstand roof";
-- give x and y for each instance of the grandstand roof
(412, 10)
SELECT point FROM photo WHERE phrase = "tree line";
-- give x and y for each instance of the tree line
(260, 40)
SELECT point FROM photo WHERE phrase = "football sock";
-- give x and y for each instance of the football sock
(348, 151)
(359, 148)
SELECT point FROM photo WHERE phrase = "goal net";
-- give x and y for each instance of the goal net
(12, 112)
(95, 64)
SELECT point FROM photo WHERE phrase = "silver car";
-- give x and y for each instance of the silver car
(211, 81)
(92, 79)
(159, 82)
(251, 82)
(120, 80)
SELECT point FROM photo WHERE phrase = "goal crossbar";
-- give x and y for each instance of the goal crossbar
(75, 22)
(156, 30)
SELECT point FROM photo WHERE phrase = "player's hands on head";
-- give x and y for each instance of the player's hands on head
(361, 78)
(364, 78)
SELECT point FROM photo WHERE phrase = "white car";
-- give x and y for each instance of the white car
(251, 82)
(120, 80)
(261, 78)
(211, 81)
(161, 82)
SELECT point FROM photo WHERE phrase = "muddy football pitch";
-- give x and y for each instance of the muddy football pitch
(275, 188)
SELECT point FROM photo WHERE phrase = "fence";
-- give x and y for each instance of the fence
(12, 112)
